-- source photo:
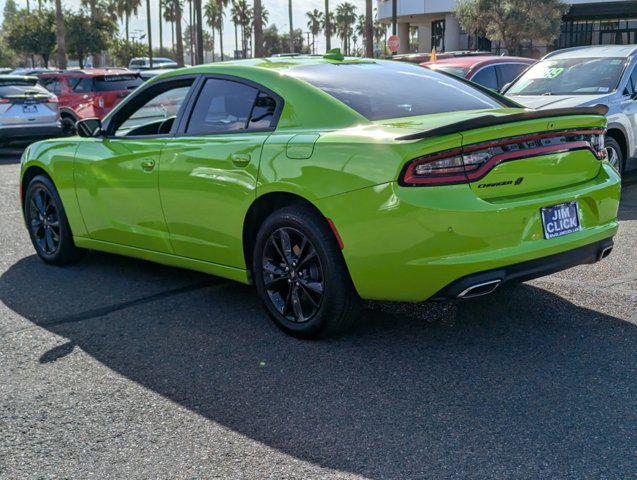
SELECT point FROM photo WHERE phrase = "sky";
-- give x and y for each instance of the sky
(278, 10)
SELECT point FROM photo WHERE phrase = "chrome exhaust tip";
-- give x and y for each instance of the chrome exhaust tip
(479, 289)
(605, 253)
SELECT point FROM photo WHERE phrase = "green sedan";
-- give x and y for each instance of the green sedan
(326, 180)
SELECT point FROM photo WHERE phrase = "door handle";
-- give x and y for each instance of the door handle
(240, 159)
(148, 165)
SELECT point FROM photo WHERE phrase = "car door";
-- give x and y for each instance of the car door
(209, 170)
(116, 174)
(629, 107)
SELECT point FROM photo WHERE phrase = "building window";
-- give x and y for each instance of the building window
(438, 35)
(597, 32)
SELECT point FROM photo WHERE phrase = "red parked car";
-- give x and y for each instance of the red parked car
(88, 93)
(490, 71)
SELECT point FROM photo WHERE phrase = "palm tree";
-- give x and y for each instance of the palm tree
(161, 33)
(345, 20)
(265, 16)
(60, 35)
(199, 32)
(222, 5)
(178, 36)
(125, 9)
(169, 16)
(291, 26)
(150, 37)
(214, 18)
(241, 16)
(369, 30)
(327, 26)
(234, 12)
(258, 28)
(315, 18)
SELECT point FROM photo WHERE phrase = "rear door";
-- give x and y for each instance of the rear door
(209, 170)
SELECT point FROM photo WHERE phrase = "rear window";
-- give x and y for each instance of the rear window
(18, 83)
(385, 90)
(457, 71)
(110, 83)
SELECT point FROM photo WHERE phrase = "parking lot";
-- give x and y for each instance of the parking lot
(120, 368)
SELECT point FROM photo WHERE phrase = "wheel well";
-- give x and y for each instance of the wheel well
(29, 174)
(260, 210)
(620, 138)
(68, 114)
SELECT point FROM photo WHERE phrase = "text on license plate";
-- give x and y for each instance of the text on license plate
(30, 108)
(560, 219)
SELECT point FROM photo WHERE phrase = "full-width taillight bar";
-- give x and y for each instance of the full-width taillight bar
(473, 162)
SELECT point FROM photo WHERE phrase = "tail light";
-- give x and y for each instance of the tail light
(4, 100)
(98, 102)
(473, 162)
(53, 99)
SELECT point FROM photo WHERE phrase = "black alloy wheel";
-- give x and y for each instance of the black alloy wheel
(293, 274)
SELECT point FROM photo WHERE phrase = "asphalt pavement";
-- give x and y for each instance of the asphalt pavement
(119, 368)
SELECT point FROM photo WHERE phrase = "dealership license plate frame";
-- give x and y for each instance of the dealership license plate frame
(546, 213)
(29, 108)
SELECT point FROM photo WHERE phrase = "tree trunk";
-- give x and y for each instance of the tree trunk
(199, 32)
(221, 39)
(236, 38)
(179, 35)
(126, 28)
(328, 27)
(291, 26)
(60, 34)
(97, 57)
(258, 29)
(213, 45)
(190, 37)
(161, 36)
(150, 37)
(369, 30)
(172, 37)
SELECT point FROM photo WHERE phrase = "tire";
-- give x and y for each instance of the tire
(68, 126)
(325, 303)
(47, 224)
(615, 155)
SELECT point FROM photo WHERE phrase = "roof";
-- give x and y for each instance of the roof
(27, 78)
(287, 62)
(468, 62)
(595, 51)
(89, 72)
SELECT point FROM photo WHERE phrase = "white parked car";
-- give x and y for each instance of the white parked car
(28, 111)
(587, 76)
(143, 63)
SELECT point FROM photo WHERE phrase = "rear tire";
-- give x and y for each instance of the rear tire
(301, 276)
(68, 126)
(615, 155)
(47, 223)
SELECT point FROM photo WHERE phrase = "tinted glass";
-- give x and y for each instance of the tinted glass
(393, 89)
(82, 85)
(631, 86)
(159, 108)
(509, 71)
(222, 106)
(263, 112)
(570, 76)
(487, 78)
(112, 83)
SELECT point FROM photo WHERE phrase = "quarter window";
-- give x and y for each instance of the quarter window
(52, 85)
(631, 86)
(487, 78)
(227, 106)
(82, 85)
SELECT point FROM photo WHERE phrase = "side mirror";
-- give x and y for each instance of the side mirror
(89, 127)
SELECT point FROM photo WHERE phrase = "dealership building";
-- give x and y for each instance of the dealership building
(423, 24)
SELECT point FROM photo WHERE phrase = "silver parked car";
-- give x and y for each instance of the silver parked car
(586, 76)
(28, 111)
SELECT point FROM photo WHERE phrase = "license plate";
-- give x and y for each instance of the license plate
(30, 108)
(560, 219)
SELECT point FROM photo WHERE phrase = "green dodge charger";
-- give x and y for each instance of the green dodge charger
(324, 180)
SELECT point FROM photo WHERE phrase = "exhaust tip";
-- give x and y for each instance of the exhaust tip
(479, 289)
(605, 253)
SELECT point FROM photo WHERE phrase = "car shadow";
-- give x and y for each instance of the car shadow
(521, 384)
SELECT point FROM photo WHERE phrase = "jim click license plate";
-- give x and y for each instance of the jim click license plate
(30, 108)
(560, 219)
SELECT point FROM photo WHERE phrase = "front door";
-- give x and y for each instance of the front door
(117, 175)
(209, 170)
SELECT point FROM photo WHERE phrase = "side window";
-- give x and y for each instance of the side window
(52, 85)
(82, 85)
(631, 86)
(152, 112)
(487, 78)
(509, 71)
(222, 106)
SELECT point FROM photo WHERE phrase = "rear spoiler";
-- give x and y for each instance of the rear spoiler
(492, 120)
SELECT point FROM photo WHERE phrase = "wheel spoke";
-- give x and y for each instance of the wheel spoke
(310, 255)
(309, 296)
(286, 246)
(316, 287)
(48, 237)
(296, 305)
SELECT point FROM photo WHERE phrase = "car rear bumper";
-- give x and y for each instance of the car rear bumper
(411, 244)
(29, 132)
(482, 283)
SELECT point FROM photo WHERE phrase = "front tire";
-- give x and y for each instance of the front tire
(47, 223)
(301, 276)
